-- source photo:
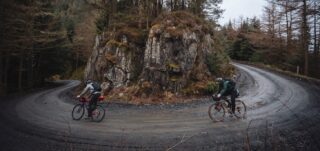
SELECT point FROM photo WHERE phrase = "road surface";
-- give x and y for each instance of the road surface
(283, 114)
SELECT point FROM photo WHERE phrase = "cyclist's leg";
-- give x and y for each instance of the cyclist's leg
(227, 94)
(95, 98)
(233, 101)
(90, 107)
(93, 104)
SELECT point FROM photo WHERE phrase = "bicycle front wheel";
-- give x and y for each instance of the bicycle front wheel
(240, 110)
(98, 114)
(78, 112)
(216, 112)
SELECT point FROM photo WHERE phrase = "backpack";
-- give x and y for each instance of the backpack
(231, 83)
(96, 86)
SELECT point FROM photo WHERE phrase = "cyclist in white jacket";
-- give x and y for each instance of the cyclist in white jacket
(95, 92)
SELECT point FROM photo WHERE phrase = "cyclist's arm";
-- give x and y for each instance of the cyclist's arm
(224, 89)
(84, 90)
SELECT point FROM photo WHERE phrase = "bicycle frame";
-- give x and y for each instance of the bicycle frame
(221, 106)
(85, 101)
(81, 108)
(221, 100)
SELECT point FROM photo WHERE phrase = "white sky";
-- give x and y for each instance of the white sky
(245, 8)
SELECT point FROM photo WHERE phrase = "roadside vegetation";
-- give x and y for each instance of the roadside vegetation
(287, 37)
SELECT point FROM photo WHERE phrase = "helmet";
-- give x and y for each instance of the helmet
(88, 82)
(218, 79)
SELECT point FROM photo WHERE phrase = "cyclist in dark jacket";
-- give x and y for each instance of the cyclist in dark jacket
(227, 87)
(95, 92)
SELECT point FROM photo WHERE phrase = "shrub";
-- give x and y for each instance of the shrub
(78, 74)
(102, 22)
(211, 87)
(214, 62)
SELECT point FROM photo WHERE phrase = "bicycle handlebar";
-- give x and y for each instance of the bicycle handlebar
(215, 98)
(84, 99)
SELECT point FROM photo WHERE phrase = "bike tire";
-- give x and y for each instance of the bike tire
(241, 109)
(78, 112)
(98, 114)
(216, 114)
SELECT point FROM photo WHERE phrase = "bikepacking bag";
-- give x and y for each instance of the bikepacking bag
(96, 86)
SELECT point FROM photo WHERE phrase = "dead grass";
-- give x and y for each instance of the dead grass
(180, 20)
(175, 32)
(116, 43)
(144, 94)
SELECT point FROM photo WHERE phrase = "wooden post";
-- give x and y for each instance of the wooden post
(298, 68)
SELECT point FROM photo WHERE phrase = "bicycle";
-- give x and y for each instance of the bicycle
(218, 110)
(82, 107)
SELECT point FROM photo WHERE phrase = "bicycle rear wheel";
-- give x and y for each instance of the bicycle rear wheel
(78, 112)
(216, 112)
(98, 114)
(240, 110)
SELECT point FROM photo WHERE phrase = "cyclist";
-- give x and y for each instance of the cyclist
(95, 92)
(227, 87)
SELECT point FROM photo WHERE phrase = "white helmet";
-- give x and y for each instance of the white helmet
(88, 81)
(218, 79)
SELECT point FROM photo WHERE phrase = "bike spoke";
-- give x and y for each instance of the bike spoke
(77, 112)
(98, 114)
(216, 112)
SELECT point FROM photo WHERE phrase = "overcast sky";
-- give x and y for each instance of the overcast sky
(236, 8)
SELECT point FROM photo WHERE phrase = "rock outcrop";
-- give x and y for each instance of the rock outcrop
(118, 61)
(175, 55)
(173, 59)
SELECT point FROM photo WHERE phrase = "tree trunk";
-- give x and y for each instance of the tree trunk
(288, 45)
(304, 37)
(114, 6)
(2, 53)
(157, 8)
(5, 72)
(183, 5)
(1, 73)
(140, 7)
(318, 47)
(315, 42)
(279, 31)
(148, 14)
(20, 72)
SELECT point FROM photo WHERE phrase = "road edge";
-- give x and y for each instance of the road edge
(279, 71)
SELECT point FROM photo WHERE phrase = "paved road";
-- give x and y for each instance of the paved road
(283, 114)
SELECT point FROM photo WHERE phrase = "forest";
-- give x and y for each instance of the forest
(41, 40)
(287, 37)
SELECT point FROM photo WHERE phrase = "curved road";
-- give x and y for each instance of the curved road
(283, 114)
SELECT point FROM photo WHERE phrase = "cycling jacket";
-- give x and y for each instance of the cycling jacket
(226, 86)
(89, 87)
